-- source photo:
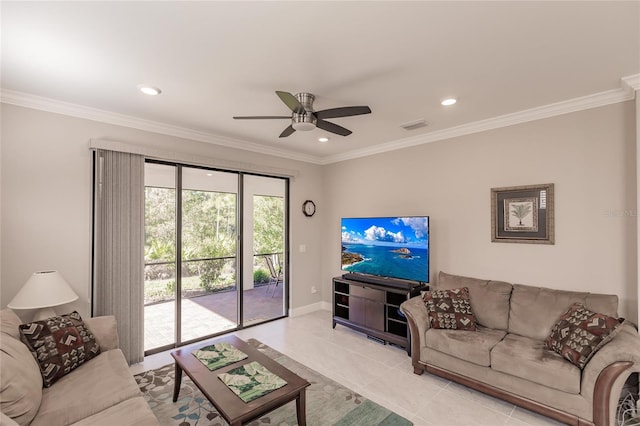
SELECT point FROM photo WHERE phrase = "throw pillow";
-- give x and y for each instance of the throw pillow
(60, 344)
(580, 333)
(450, 309)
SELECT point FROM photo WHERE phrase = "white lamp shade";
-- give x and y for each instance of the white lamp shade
(44, 289)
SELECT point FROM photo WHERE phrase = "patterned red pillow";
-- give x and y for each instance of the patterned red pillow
(580, 333)
(60, 344)
(450, 309)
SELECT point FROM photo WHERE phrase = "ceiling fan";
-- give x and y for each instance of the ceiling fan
(304, 118)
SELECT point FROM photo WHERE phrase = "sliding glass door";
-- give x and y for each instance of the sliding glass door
(209, 300)
(205, 233)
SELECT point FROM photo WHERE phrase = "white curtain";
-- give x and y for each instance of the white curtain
(118, 269)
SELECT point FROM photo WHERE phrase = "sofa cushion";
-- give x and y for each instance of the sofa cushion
(60, 344)
(489, 299)
(10, 323)
(134, 411)
(450, 309)
(89, 389)
(527, 358)
(472, 346)
(579, 333)
(20, 379)
(105, 330)
(534, 310)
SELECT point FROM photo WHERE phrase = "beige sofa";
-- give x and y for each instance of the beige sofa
(505, 356)
(102, 391)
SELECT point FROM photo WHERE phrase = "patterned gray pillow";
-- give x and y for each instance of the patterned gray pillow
(450, 309)
(579, 333)
(60, 344)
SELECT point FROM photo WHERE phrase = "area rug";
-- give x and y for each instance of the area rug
(328, 402)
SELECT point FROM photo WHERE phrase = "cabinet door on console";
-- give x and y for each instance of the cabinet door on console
(369, 307)
(356, 309)
(374, 314)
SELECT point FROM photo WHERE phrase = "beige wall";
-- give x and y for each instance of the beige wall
(46, 200)
(590, 156)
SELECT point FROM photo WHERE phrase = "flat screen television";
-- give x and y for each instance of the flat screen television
(393, 247)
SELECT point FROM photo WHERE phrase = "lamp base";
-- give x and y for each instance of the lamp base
(43, 314)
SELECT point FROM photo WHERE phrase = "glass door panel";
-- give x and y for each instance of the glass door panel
(192, 253)
(209, 299)
(264, 286)
(159, 256)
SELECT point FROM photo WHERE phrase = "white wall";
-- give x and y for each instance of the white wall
(590, 156)
(46, 200)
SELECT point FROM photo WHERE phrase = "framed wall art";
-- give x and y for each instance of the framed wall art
(522, 214)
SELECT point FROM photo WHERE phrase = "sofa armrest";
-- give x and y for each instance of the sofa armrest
(605, 374)
(105, 329)
(418, 319)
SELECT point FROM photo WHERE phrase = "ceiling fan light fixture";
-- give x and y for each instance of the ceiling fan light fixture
(303, 122)
(304, 127)
(149, 90)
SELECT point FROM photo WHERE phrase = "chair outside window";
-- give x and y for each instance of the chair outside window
(275, 269)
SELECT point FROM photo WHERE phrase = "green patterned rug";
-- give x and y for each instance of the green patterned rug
(328, 402)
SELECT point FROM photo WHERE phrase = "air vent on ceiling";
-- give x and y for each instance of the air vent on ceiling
(414, 124)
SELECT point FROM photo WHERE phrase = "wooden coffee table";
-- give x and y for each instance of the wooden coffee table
(234, 410)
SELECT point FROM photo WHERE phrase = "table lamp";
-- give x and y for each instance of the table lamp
(42, 291)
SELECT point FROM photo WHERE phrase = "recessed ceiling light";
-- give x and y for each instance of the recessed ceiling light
(209, 174)
(149, 90)
(449, 101)
(323, 139)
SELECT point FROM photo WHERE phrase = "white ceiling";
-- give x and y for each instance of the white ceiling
(214, 60)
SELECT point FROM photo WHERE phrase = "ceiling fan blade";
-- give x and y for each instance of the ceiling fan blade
(290, 101)
(286, 132)
(263, 117)
(343, 112)
(333, 128)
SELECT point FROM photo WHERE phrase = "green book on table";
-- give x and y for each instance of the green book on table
(219, 355)
(251, 381)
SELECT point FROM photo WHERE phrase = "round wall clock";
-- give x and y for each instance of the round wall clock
(309, 208)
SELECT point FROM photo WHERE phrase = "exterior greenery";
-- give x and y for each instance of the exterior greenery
(209, 235)
(268, 224)
(261, 276)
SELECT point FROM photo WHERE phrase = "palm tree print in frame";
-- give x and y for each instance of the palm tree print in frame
(521, 214)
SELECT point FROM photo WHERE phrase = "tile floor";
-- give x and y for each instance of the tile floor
(378, 372)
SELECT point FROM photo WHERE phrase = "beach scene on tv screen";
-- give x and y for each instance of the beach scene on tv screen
(396, 247)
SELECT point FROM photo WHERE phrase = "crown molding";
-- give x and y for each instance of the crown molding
(80, 111)
(625, 93)
(628, 86)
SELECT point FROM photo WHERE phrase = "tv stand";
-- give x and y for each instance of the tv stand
(371, 305)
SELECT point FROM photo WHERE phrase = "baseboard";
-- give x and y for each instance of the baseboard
(303, 310)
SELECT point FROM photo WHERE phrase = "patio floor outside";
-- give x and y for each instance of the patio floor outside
(209, 314)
